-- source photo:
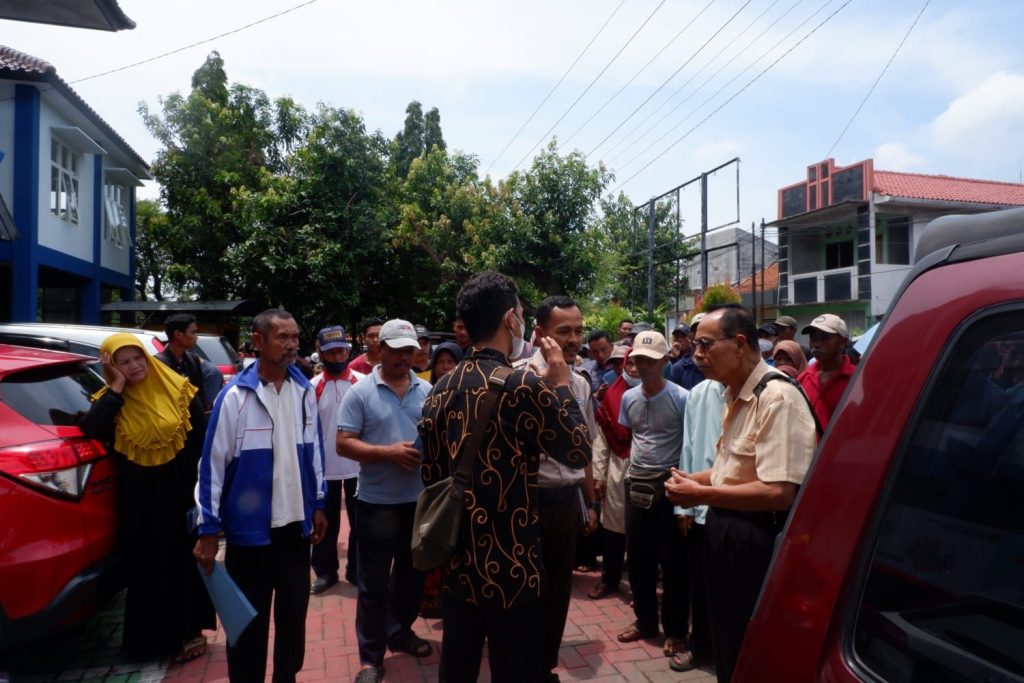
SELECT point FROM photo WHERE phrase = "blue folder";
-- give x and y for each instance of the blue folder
(233, 608)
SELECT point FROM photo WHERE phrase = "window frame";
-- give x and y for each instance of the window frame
(865, 554)
(883, 241)
(65, 181)
(116, 221)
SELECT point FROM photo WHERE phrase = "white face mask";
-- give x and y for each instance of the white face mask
(630, 380)
(518, 343)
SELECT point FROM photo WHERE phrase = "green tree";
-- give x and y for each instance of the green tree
(154, 237)
(432, 136)
(545, 227)
(312, 238)
(408, 143)
(218, 140)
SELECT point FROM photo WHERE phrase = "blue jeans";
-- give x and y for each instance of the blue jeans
(389, 586)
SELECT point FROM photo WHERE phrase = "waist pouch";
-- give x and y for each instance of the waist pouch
(647, 488)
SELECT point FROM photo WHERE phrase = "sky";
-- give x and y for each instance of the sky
(658, 91)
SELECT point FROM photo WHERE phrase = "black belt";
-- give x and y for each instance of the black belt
(769, 519)
(562, 494)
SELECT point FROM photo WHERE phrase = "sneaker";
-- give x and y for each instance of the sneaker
(371, 674)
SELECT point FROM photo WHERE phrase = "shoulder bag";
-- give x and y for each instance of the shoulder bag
(439, 508)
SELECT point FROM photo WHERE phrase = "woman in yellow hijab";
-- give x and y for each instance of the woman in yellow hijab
(153, 422)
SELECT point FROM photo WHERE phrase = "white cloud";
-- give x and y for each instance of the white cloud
(988, 120)
(898, 156)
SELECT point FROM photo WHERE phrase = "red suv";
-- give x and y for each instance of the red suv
(903, 559)
(58, 497)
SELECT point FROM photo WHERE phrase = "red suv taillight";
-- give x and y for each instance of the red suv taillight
(60, 467)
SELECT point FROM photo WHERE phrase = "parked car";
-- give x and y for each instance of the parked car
(219, 351)
(58, 497)
(903, 558)
(83, 339)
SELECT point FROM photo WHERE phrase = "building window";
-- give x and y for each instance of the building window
(64, 165)
(115, 215)
(892, 242)
(839, 255)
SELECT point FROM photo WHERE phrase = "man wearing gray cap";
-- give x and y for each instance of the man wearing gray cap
(825, 381)
(377, 427)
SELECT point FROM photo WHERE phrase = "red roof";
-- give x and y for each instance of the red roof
(768, 279)
(947, 188)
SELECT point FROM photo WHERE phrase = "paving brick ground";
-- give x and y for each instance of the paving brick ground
(589, 652)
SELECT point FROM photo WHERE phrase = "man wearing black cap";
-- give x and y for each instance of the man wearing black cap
(340, 472)
(684, 371)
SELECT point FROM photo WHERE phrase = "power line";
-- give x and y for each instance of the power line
(711, 61)
(196, 44)
(669, 79)
(587, 89)
(734, 95)
(723, 86)
(555, 87)
(637, 74)
(877, 80)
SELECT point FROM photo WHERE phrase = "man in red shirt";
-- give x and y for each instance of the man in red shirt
(825, 381)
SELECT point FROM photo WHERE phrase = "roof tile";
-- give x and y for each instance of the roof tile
(19, 61)
(948, 188)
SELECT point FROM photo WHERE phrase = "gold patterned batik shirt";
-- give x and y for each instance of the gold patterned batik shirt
(497, 562)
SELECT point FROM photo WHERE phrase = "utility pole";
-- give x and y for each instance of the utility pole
(650, 261)
(704, 231)
(763, 269)
(753, 271)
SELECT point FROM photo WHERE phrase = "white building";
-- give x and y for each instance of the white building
(69, 181)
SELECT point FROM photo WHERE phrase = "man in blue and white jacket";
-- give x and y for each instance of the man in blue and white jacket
(261, 483)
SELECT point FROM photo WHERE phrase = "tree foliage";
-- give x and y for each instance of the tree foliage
(311, 211)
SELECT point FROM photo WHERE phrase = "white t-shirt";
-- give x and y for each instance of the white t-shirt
(286, 505)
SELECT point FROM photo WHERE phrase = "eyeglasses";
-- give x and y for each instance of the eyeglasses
(704, 343)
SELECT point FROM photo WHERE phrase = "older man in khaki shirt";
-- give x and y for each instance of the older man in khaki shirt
(767, 442)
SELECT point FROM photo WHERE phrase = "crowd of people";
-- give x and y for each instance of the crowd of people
(683, 454)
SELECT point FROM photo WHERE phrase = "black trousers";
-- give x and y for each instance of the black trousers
(279, 571)
(514, 642)
(613, 558)
(389, 586)
(325, 553)
(700, 625)
(559, 527)
(653, 539)
(738, 548)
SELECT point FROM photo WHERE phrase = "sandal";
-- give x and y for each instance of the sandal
(633, 634)
(673, 646)
(600, 590)
(415, 646)
(192, 649)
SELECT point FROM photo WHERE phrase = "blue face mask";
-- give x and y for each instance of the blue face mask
(630, 380)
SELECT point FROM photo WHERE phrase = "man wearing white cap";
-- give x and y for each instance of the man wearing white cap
(377, 427)
(654, 412)
(825, 381)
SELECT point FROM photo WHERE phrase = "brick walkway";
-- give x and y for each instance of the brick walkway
(590, 650)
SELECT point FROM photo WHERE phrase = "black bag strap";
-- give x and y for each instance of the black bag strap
(495, 385)
(759, 387)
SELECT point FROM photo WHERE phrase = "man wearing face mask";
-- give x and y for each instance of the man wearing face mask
(340, 472)
(493, 583)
